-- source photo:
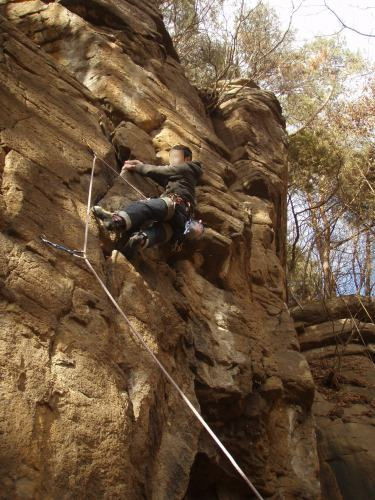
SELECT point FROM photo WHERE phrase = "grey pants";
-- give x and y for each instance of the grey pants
(165, 223)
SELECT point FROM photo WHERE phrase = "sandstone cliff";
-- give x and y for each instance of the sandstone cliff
(85, 413)
(338, 337)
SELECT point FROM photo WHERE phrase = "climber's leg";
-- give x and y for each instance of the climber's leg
(135, 214)
(139, 212)
(157, 234)
(162, 232)
(154, 235)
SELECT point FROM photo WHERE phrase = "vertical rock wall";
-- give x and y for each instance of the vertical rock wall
(86, 413)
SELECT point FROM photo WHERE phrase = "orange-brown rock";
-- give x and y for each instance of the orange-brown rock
(86, 413)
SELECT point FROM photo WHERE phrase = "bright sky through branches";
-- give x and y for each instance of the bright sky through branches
(314, 19)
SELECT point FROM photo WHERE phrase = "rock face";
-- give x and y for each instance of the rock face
(338, 339)
(85, 412)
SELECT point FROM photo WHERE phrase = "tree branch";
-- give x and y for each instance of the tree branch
(345, 25)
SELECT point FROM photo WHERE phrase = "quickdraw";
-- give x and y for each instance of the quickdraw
(58, 246)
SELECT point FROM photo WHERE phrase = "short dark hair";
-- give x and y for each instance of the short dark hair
(187, 151)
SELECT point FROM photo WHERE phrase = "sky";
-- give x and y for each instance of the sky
(313, 19)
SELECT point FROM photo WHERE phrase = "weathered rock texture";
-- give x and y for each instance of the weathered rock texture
(338, 339)
(85, 413)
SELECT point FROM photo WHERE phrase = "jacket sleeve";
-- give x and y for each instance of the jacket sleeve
(158, 173)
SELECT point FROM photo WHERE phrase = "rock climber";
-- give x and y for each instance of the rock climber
(166, 215)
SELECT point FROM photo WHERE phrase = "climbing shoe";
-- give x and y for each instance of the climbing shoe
(136, 241)
(111, 221)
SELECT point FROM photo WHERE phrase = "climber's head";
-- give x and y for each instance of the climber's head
(179, 154)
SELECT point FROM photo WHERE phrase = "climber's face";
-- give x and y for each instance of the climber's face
(176, 157)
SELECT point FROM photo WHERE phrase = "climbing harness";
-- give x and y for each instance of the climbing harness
(179, 200)
(193, 228)
(83, 255)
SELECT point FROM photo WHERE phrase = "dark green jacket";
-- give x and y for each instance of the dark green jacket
(180, 179)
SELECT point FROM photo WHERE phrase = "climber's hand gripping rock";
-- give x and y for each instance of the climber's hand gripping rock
(130, 165)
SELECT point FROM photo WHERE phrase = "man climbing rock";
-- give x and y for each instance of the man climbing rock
(168, 213)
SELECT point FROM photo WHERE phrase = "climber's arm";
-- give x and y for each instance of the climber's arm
(158, 173)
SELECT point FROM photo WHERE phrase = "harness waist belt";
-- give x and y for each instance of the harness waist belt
(179, 200)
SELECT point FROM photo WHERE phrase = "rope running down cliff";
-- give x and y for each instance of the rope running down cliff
(83, 255)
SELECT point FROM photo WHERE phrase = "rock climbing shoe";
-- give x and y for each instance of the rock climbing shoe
(111, 221)
(136, 241)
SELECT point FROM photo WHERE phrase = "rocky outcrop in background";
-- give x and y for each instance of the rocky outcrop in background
(85, 413)
(338, 339)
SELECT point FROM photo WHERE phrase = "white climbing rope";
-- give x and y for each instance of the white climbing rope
(89, 207)
(83, 254)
